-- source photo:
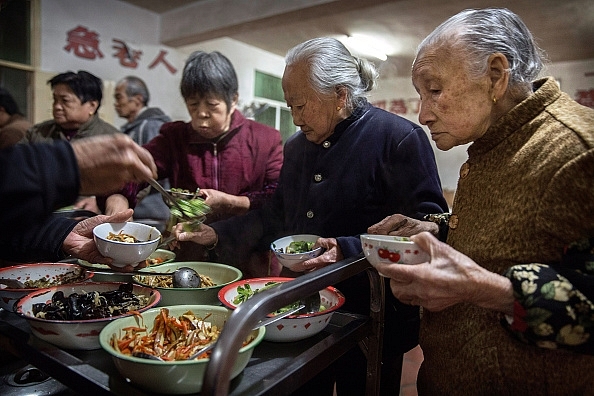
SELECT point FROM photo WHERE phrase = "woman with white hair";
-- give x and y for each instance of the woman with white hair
(507, 311)
(350, 165)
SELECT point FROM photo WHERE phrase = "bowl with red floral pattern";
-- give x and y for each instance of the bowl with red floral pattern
(388, 249)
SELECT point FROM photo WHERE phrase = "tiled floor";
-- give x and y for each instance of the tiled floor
(410, 368)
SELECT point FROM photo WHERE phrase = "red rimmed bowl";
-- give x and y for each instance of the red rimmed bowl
(293, 327)
(41, 275)
(82, 334)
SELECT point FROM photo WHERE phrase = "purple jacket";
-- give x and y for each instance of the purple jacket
(246, 161)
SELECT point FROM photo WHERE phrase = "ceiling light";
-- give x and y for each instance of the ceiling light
(366, 46)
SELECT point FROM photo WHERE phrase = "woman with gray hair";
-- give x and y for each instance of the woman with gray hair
(509, 301)
(350, 165)
(234, 161)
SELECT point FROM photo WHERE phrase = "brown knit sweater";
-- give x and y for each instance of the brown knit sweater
(526, 190)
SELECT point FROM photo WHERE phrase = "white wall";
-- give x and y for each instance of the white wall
(109, 19)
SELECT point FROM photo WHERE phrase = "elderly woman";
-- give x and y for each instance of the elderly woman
(234, 161)
(349, 166)
(525, 192)
(77, 98)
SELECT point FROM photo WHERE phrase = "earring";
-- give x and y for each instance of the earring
(338, 108)
(494, 100)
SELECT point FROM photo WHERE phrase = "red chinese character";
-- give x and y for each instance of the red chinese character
(585, 97)
(161, 59)
(84, 42)
(128, 58)
(398, 106)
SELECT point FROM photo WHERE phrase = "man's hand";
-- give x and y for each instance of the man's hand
(107, 162)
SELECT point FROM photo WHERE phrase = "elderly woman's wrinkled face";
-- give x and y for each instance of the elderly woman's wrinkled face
(315, 114)
(68, 110)
(456, 108)
(210, 116)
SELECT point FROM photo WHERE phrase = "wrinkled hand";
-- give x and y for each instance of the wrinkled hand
(331, 255)
(400, 225)
(223, 203)
(202, 235)
(448, 279)
(108, 162)
(79, 242)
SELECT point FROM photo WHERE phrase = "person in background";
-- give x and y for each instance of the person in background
(350, 165)
(76, 101)
(233, 160)
(13, 124)
(509, 300)
(131, 100)
(41, 177)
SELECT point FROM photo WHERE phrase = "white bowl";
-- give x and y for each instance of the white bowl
(177, 377)
(52, 274)
(220, 274)
(292, 327)
(388, 249)
(75, 334)
(291, 260)
(124, 253)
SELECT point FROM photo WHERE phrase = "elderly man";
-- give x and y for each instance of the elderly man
(131, 102)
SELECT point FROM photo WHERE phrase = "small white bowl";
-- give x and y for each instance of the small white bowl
(75, 334)
(177, 377)
(220, 274)
(387, 249)
(292, 327)
(53, 274)
(124, 253)
(291, 260)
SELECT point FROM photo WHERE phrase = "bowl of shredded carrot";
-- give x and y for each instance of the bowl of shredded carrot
(154, 350)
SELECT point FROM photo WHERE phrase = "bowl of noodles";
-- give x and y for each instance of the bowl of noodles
(131, 340)
(127, 243)
(213, 276)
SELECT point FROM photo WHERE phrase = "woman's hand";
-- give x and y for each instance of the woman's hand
(400, 225)
(80, 243)
(225, 204)
(203, 235)
(447, 279)
(331, 255)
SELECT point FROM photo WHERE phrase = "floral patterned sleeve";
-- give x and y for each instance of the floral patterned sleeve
(554, 305)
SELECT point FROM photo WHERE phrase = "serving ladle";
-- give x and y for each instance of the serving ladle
(183, 277)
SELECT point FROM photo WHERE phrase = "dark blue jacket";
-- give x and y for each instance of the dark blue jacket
(375, 164)
(35, 180)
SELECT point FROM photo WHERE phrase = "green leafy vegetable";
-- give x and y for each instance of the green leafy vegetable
(299, 247)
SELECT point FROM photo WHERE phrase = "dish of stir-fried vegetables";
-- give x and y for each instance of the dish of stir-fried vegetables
(170, 338)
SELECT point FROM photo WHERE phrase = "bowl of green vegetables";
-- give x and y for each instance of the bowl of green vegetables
(294, 249)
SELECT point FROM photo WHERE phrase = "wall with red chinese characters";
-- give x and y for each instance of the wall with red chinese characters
(112, 39)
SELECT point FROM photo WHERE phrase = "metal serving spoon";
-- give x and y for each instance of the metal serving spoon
(183, 277)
